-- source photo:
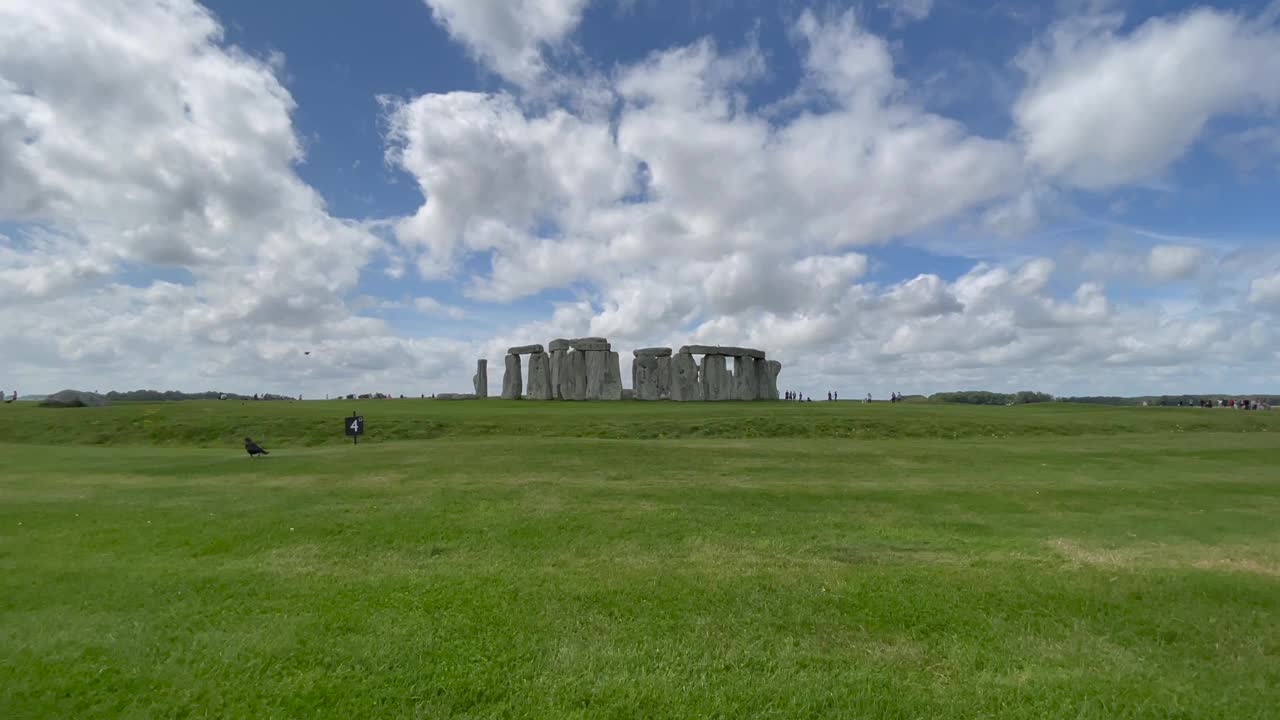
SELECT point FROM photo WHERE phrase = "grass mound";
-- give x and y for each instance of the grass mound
(309, 424)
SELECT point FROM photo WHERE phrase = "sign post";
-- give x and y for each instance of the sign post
(354, 427)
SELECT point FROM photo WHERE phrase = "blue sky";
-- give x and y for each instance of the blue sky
(1071, 196)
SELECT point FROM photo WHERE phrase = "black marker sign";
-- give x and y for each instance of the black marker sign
(354, 427)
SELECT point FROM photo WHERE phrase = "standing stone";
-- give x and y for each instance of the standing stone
(762, 380)
(557, 366)
(481, 379)
(595, 362)
(645, 371)
(685, 386)
(573, 376)
(717, 383)
(664, 377)
(612, 387)
(511, 380)
(539, 377)
(772, 368)
(746, 384)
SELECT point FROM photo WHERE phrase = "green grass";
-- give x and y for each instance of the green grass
(656, 560)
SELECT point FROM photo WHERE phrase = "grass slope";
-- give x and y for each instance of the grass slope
(314, 423)
(551, 560)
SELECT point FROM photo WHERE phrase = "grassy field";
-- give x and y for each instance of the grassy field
(496, 559)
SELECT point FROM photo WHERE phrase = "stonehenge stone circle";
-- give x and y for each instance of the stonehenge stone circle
(511, 381)
(480, 380)
(589, 369)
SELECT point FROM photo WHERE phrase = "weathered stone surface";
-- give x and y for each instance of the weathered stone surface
(573, 376)
(727, 350)
(539, 377)
(772, 368)
(746, 382)
(557, 365)
(685, 386)
(511, 380)
(525, 350)
(612, 387)
(717, 382)
(559, 344)
(652, 352)
(628, 394)
(762, 380)
(590, 339)
(480, 381)
(664, 378)
(644, 372)
(596, 360)
(592, 345)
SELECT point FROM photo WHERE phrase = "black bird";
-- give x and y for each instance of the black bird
(253, 448)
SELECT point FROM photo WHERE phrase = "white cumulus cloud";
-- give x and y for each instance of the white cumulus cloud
(510, 36)
(1103, 107)
(1174, 262)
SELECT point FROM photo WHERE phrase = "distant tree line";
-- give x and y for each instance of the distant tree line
(1167, 400)
(984, 397)
(161, 395)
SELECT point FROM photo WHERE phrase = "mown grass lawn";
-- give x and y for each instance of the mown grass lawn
(493, 559)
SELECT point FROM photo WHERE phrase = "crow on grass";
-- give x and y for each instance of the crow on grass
(253, 448)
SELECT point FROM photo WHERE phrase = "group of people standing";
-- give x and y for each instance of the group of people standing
(833, 396)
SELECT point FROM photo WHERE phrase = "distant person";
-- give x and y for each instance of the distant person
(828, 396)
(253, 448)
(835, 395)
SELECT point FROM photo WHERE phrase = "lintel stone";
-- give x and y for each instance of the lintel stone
(726, 350)
(525, 350)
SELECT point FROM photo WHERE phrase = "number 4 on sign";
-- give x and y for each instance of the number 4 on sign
(354, 427)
